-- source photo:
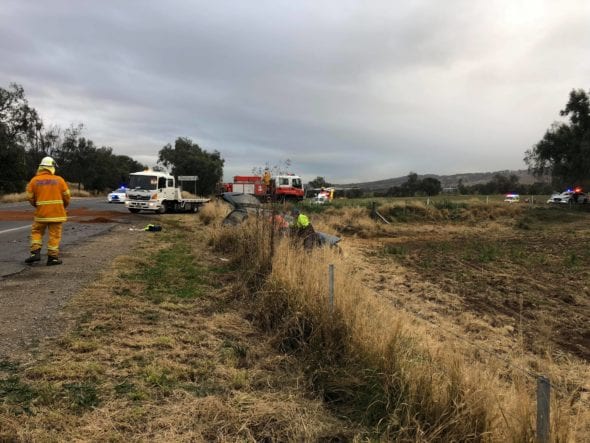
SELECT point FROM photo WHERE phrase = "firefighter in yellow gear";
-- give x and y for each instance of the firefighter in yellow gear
(50, 196)
(303, 229)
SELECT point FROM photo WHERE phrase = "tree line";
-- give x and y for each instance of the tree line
(25, 140)
(430, 186)
(499, 184)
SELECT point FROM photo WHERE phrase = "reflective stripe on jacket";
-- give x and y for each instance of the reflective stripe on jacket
(50, 195)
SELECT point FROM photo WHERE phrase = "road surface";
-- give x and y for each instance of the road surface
(87, 217)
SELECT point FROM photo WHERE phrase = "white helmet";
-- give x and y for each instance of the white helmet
(48, 161)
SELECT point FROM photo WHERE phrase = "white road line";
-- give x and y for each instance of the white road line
(15, 229)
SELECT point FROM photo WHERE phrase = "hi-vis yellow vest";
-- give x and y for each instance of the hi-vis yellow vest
(302, 221)
(50, 195)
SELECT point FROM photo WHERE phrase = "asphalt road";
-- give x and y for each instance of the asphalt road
(88, 217)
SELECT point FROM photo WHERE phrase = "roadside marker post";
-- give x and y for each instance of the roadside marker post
(543, 409)
(331, 286)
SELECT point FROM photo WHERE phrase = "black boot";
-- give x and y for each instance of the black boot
(35, 256)
(51, 261)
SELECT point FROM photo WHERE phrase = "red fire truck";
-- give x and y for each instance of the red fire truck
(278, 188)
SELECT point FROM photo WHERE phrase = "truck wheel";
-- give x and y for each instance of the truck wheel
(133, 210)
(162, 209)
(194, 208)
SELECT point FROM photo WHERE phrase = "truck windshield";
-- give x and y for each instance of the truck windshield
(297, 183)
(143, 182)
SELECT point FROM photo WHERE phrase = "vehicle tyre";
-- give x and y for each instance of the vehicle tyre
(162, 209)
(195, 208)
(134, 211)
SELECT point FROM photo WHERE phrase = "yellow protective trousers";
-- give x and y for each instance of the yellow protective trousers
(37, 233)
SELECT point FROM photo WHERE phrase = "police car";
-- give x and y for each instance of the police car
(512, 198)
(118, 195)
(569, 197)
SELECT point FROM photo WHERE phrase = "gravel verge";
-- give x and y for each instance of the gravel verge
(32, 300)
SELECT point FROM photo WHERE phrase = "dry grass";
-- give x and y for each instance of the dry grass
(386, 369)
(362, 356)
(171, 349)
(215, 210)
(357, 220)
(14, 198)
(162, 351)
(188, 194)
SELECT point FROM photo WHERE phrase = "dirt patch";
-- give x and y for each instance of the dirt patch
(99, 220)
(530, 284)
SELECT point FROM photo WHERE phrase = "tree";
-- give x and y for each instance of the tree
(461, 187)
(502, 184)
(95, 169)
(430, 186)
(109, 171)
(187, 158)
(20, 122)
(564, 150)
(411, 186)
(353, 193)
(75, 157)
(20, 127)
(319, 182)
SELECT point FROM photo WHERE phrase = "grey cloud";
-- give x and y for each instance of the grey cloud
(348, 89)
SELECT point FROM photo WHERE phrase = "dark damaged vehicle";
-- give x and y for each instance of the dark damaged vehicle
(247, 205)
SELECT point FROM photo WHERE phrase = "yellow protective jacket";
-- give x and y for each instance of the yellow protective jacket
(302, 221)
(50, 195)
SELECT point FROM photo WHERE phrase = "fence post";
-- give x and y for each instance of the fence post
(331, 286)
(273, 215)
(543, 411)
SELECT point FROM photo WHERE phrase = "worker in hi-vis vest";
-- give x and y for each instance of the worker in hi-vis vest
(303, 229)
(50, 196)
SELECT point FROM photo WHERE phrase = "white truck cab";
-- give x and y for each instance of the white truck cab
(157, 191)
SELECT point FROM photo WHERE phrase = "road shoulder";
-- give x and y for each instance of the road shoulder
(32, 300)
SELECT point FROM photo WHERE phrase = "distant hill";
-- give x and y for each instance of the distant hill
(447, 181)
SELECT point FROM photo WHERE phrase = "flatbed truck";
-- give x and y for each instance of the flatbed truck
(156, 191)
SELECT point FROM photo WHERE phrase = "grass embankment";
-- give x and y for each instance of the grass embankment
(361, 356)
(372, 363)
(161, 349)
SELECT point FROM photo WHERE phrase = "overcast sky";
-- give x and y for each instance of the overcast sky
(348, 90)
